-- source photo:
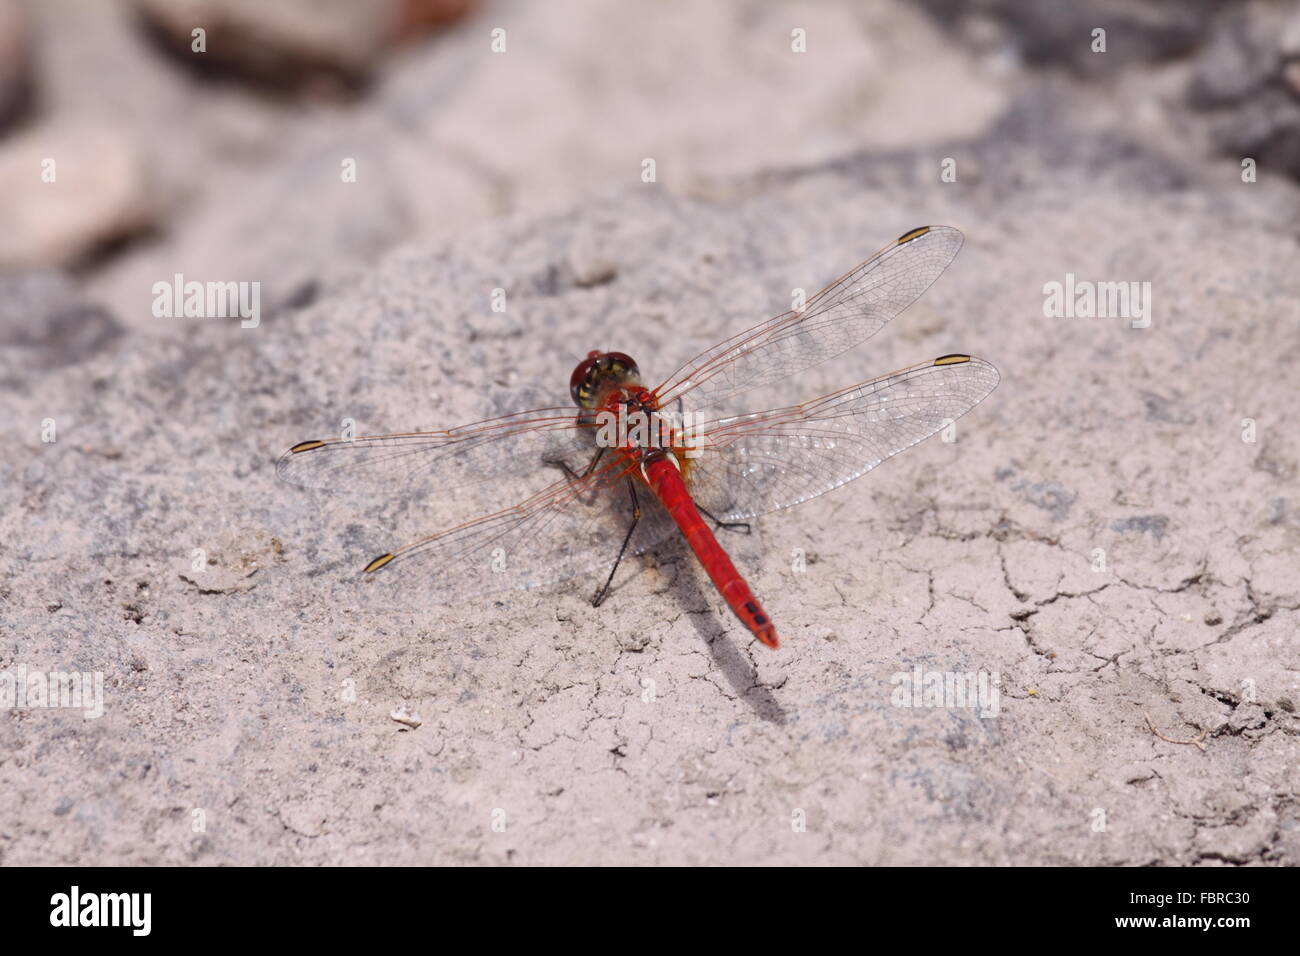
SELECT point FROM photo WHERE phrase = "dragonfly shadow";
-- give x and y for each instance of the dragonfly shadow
(722, 641)
(740, 673)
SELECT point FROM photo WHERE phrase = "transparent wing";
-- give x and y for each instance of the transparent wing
(562, 527)
(572, 527)
(513, 446)
(844, 314)
(753, 464)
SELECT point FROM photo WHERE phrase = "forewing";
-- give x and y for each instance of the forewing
(514, 446)
(752, 464)
(841, 316)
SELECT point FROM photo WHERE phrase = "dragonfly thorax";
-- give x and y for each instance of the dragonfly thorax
(599, 374)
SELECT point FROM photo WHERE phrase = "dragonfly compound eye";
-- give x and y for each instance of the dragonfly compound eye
(598, 371)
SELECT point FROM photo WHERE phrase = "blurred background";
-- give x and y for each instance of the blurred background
(225, 163)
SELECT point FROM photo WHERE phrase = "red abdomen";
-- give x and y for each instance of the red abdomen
(665, 481)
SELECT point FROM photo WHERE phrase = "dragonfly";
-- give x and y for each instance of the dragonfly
(544, 495)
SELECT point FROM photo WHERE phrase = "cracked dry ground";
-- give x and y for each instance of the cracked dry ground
(653, 730)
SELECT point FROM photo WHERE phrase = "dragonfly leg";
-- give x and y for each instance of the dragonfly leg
(627, 539)
(573, 475)
(729, 525)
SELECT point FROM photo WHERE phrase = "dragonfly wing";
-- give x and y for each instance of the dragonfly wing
(569, 528)
(845, 313)
(765, 461)
(437, 461)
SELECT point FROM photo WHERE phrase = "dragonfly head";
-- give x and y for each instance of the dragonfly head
(597, 373)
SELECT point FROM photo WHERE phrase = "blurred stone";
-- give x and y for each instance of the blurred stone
(293, 41)
(299, 230)
(414, 16)
(15, 61)
(273, 41)
(1050, 33)
(453, 135)
(1247, 83)
(1292, 74)
(45, 319)
(70, 189)
(1240, 56)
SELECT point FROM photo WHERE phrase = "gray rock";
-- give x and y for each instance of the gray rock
(154, 529)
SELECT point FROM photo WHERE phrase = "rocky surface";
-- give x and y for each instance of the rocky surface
(1113, 533)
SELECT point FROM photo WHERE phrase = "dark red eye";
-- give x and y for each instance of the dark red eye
(622, 364)
(580, 375)
(595, 367)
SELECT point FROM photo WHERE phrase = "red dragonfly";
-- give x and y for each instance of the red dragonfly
(589, 493)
